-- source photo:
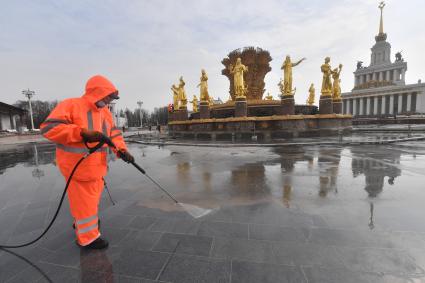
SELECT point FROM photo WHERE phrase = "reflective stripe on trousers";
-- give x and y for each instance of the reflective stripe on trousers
(86, 224)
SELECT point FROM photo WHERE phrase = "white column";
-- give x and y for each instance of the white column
(374, 76)
(388, 76)
(391, 103)
(381, 75)
(354, 107)
(419, 96)
(400, 101)
(367, 106)
(348, 106)
(395, 75)
(361, 106)
(403, 74)
(409, 102)
(383, 104)
(375, 106)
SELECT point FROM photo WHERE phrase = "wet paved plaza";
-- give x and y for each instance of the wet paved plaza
(284, 214)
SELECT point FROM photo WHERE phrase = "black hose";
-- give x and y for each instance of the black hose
(56, 213)
(91, 150)
(30, 263)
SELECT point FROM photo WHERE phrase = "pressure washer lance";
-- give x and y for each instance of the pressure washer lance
(193, 210)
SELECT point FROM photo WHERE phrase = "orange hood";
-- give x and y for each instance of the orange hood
(98, 87)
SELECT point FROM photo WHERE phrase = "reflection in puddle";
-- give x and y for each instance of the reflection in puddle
(296, 176)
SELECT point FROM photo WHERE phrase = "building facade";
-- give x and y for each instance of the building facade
(380, 89)
(10, 117)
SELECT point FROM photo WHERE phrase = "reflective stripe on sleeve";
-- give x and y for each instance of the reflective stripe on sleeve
(54, 120)
(49, 127)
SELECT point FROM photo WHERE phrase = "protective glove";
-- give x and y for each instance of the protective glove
(91, 136)
(126, 156)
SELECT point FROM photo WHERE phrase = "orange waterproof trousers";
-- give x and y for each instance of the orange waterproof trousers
(84, 199)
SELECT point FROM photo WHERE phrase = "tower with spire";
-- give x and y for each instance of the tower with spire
(381, 51)
(381, 71)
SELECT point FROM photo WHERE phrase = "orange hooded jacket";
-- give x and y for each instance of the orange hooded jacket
(64, 124)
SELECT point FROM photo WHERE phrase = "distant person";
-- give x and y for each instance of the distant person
(74, 122)
(150, 128)
(158, 128)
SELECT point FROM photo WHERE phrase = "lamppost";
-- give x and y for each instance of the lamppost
(29, 93)
(140, 111)
(37, 172)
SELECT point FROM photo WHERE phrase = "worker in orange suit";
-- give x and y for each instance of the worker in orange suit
(70, 125)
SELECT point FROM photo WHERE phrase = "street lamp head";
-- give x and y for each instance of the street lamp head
(28, 93)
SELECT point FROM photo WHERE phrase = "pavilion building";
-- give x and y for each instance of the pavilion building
(10, 117)
(380, 89)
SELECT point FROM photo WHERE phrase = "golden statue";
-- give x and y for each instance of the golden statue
(195, 104)
(311, 90)
(268, 97)
(326, 82)
(182, 93)
(211, 101)
(175, 90)
(204, 87)
(287, 190)
(287, 75)
(281, 87)
(336, 88)
(238, 81)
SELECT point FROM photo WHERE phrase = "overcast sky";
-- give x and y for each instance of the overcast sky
(53, 47)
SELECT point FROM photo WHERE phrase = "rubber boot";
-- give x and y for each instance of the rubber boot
(97, 244)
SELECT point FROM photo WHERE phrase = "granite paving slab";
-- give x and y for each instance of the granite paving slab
(250, 272)
(184, 244)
